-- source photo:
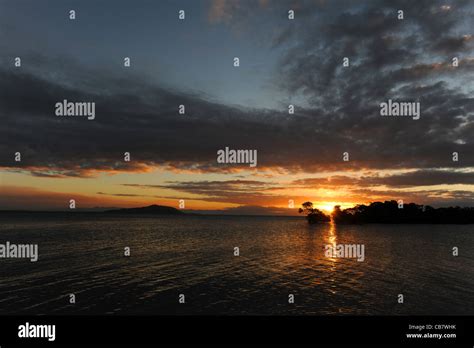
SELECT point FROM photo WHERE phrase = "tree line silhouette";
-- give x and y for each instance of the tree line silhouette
(390, 212)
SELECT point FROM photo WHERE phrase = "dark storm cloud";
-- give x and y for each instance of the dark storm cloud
(405, 60)
(390, 59)
(144, 122)
(418, 178)
(423, 178)
(233, 191)
(206, 187)
(453, 44)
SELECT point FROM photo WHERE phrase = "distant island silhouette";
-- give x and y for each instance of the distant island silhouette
(151, 209)
(389, 212)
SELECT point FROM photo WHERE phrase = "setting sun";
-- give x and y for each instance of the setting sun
(328, 207)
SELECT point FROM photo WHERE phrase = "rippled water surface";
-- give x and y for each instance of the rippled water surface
(84, 254)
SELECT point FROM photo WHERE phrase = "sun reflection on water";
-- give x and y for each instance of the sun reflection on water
(331, 238)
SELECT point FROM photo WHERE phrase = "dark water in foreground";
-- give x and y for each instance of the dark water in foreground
(193, 256)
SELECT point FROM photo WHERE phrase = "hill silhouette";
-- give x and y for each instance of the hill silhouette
(151, 209)
(390, 212)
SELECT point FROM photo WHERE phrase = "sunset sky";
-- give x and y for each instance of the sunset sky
(190, 62)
